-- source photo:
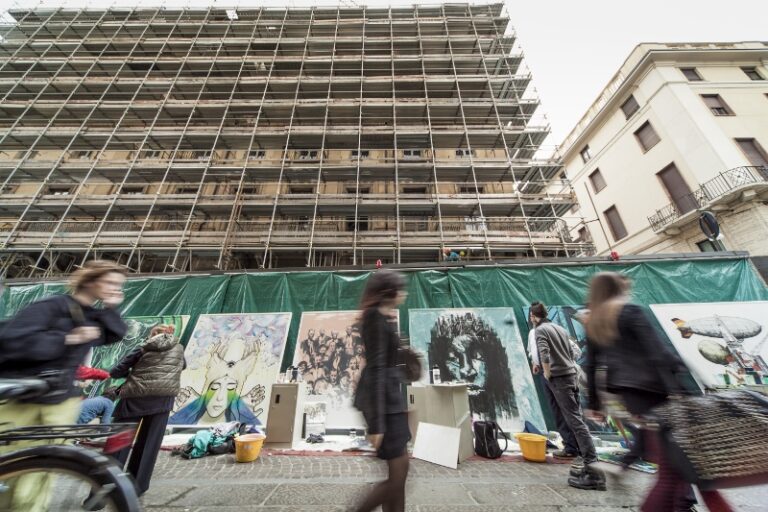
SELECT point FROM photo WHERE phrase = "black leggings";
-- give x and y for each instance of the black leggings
(390, 493)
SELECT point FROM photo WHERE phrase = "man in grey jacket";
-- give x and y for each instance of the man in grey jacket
(558, 364)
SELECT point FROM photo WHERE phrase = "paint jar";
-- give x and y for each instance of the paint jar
(436, 375)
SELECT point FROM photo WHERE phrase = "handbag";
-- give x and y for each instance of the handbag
(717, 440)
(486, 439)
(411, 363)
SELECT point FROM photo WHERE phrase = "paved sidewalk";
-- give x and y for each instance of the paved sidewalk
(281, 483)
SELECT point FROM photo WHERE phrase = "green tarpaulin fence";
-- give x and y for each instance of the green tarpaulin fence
(654, 282)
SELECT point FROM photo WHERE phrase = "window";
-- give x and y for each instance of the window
(308, 155)
(691, 74)
(618, 231)
(153, 154)
(710, 246)
(646, 136)
(754, 153)
(752, 73)
(470, 189)
(133, 189)
(361, 224)
(358, 190)
(464, 153)
(363, 153)
(716, 105)
(59, 190)
(187, 189)
(412, 153)
(598, 182)
(415, 190)
(629, 107)
(677, 189)
(301, 189)
(250, 189)
(83, 155)
(257, 154)
(585, 154)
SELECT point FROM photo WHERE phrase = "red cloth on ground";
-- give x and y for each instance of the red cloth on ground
(86, 373)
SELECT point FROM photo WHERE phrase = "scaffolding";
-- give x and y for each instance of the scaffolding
(198, 139)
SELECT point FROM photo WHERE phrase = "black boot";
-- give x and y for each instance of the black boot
(590, 479)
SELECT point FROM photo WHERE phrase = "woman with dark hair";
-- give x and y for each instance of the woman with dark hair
(642, 372)
(379, 396)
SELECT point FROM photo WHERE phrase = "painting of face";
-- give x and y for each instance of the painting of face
(232, 362)
(482, 348)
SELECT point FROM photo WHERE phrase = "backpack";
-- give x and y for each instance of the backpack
(486, 439)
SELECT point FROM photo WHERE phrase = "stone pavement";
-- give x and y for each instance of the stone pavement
(283, 483)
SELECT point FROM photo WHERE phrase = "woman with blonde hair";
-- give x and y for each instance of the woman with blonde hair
(642, 372)
(50, 339)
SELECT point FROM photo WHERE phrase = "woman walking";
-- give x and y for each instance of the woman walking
(379, 396)
(642, 372)
(153, 374)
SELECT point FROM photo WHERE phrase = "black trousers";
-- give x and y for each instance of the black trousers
(146, 448)
(569, 438)
(566, 392)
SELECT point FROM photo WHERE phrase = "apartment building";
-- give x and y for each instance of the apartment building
(185, 140)
(679, 130)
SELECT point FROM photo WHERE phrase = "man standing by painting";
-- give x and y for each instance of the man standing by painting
(558, 366)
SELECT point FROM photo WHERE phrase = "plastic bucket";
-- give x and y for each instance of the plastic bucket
(533, 446)
(248, 447)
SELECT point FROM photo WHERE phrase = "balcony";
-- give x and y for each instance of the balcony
(719, 190)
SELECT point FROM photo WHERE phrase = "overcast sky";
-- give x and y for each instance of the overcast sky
(573, 47)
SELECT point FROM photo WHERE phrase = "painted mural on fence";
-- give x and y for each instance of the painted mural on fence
(232, 362)
(567, 318)
(724, 343)
(330, 356)
(138, 332)
(482, 347)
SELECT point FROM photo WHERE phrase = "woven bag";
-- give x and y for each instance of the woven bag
(717, 440)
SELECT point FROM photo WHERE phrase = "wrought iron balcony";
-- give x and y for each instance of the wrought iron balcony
(725, 183)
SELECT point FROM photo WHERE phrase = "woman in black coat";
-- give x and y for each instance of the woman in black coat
(643, 373)
(379, 395)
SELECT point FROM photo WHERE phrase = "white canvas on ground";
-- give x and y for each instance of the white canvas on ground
(232, 362)
(482, 347)
(437, 444)
(718, 338)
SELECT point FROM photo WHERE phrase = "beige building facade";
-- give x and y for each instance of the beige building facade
(680, 129)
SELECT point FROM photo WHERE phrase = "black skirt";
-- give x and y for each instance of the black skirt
(396, 436)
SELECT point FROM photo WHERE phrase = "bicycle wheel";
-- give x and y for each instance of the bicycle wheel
(64, 479)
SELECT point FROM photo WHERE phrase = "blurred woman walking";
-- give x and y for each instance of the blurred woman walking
(379, 396)
(642, 372)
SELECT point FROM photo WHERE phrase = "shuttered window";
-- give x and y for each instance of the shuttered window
(716, 105)
(598, 182)
(647, 136)
(753, 152)
(691, 74)
(629, 107)
(618, 230)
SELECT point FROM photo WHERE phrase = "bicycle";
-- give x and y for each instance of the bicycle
(84, 479)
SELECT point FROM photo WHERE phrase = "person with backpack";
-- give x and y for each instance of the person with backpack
(558, 365)
(49, 340)
(153, 379)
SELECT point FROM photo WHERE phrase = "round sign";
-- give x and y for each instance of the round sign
(709, 225)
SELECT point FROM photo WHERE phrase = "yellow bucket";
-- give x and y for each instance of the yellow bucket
(534, 446)
(248, 447)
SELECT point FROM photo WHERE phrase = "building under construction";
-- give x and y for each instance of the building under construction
(184, 140)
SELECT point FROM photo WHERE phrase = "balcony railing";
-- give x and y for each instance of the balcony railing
(710, 191)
